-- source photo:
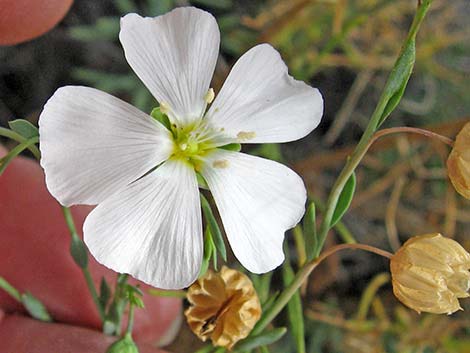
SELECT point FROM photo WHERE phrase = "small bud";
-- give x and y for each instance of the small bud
(124, 345)
(224, 307)
(430, 272)
(458, 163)
(210, 95)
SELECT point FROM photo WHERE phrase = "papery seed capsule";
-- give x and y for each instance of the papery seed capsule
(224, 307)
(430, 272)
(458, 163)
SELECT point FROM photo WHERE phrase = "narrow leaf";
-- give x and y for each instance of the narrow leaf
(214, 228)
(35, 308)
(263, 339)
(398, 79)
(236, 147)
(266, 306)
(24, 128)
(401, 72)
(294, 309)
(78, 251)
(208, 249)
(344, 199)
(310, 231)
(105, 293)
(160, 117)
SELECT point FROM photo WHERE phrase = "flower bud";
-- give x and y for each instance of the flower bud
(124, 345)
(430, 272)
(224, 307)
(458, 163)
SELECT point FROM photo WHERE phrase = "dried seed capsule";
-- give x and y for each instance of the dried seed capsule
(224, 307)
(430, 272)
(458, 163)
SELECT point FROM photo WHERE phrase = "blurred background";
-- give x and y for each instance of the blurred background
(346, 49)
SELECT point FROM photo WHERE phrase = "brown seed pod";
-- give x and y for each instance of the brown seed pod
(224, 307)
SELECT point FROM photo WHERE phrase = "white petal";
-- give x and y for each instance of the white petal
(152, 229)
(258, 200)
(94, 144)
(261, 103)
(175, 56)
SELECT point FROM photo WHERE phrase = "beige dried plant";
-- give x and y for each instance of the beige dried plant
(224, 307)
(430, 273)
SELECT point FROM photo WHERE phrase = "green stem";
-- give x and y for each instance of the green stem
(16, 151)
(86, 272)
(363, 144)
(301, 276)
(130, 319)
(12, 291)
(12, 135)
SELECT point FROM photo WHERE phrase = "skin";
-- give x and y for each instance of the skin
(22, 20)
(34, 257)
(46, 338)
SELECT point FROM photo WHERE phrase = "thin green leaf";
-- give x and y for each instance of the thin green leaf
(214, 228)
(263, 339)
(398, 79)
(12, 291)
(208, 250)
(294, 308)
(264, 286)
(401, 72)
(5, 161)
(236, 147)
(24, 128)
(201, 182)
(105, 293)
(344, 200)
(270, 301)
(35, 308)
(310, 231)
(161, 117)
(79, 251)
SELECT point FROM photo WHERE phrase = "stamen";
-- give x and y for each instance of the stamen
(209, 97)
(246, 135)
(164, 107)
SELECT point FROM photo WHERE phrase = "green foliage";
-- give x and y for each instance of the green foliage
(263, 339)
(79, 251)
(161, 117)
(294, 309)
(344, 200)
(208, 251)
(123, 345)
(35, 308)
(310, 231)
(236, 147)
(105, 293)
(214, 228)
(24, 128)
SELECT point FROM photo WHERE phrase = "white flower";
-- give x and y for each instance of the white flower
(97, 149)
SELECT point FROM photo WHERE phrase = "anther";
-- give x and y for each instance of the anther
(209, 97)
